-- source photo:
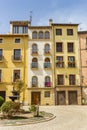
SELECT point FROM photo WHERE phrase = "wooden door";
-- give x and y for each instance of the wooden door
(61, 98)
(72, 97)
(35, 98)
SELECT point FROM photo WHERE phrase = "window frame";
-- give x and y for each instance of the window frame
(70, 32)
(60, 82)
(47, 94)
(74, 79)
(17, 42)
(1, 40)
(70, 49)
(60, 49)
(58, 32)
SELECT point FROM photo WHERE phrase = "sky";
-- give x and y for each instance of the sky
(61, 11)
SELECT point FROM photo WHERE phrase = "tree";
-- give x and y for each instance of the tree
(19, 87)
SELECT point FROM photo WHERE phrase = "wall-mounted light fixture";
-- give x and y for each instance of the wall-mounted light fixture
(66, 76)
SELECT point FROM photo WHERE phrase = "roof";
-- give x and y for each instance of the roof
(65, 24)
(82, 32)
(20, 22)
(13, 35)
(40, 27)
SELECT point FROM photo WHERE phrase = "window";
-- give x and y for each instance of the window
(86, 44)
(69, 31)
(70, 47)
(47, 81)
(17, 54)
(60, 79)
(59, 47)
(1, 40)
(47, 49)
(71, 61)
(34, 63)
(58, 31)
(34, 81)
(59, 61)
(0, 75)
(1, 54)
(47, 63)
(34, 49)
(34, 35)
(47, 35)
(47, 94)
(25, 29)
(17, 40)
(16, 75)
(72, 80)
(40, 35)
(20, 29)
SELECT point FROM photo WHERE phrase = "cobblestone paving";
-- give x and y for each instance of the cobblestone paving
(67, 118)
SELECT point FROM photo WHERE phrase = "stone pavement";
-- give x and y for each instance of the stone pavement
(67, 118)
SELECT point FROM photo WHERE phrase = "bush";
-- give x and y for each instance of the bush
(32, 108)
(7, 108)
(1, 101)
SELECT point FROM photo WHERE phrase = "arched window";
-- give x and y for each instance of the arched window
(40, 35)
(34, 35)
(34, 63)
(47, 35)
(47, 81)
(47, 48)
(47, 59)
(34, 81)
(47, 63)
(34, 48)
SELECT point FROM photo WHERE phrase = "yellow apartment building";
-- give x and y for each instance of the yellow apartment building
(66, 64)
(13, 62)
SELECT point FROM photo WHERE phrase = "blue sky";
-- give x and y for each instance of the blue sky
(64, 11)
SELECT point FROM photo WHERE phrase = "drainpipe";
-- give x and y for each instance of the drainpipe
(54, 70)
(24, 68)
(81, 80)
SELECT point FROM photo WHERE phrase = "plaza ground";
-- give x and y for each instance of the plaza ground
(67, 118)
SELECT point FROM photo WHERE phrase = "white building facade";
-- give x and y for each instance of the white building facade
(40, 66)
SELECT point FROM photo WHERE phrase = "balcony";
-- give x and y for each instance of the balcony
(34, 65)
(34, 52)
(60, 64)
(71, 64)
(17, 58)
(47, 84)
(47, 52)
(1, 58)
(47, 65)
(34, 85)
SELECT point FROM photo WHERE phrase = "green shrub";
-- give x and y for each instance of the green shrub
(32, 108)
(7, 108)
(1, 100)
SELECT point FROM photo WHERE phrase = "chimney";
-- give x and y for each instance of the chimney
(50, 22)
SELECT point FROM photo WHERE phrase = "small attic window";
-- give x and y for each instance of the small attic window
(17, 40)
(1, 40)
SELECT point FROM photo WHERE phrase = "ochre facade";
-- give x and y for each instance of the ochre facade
(46, 58)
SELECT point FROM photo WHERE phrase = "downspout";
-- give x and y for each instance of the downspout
(54, 71)
(81, 85)
(24, 69)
